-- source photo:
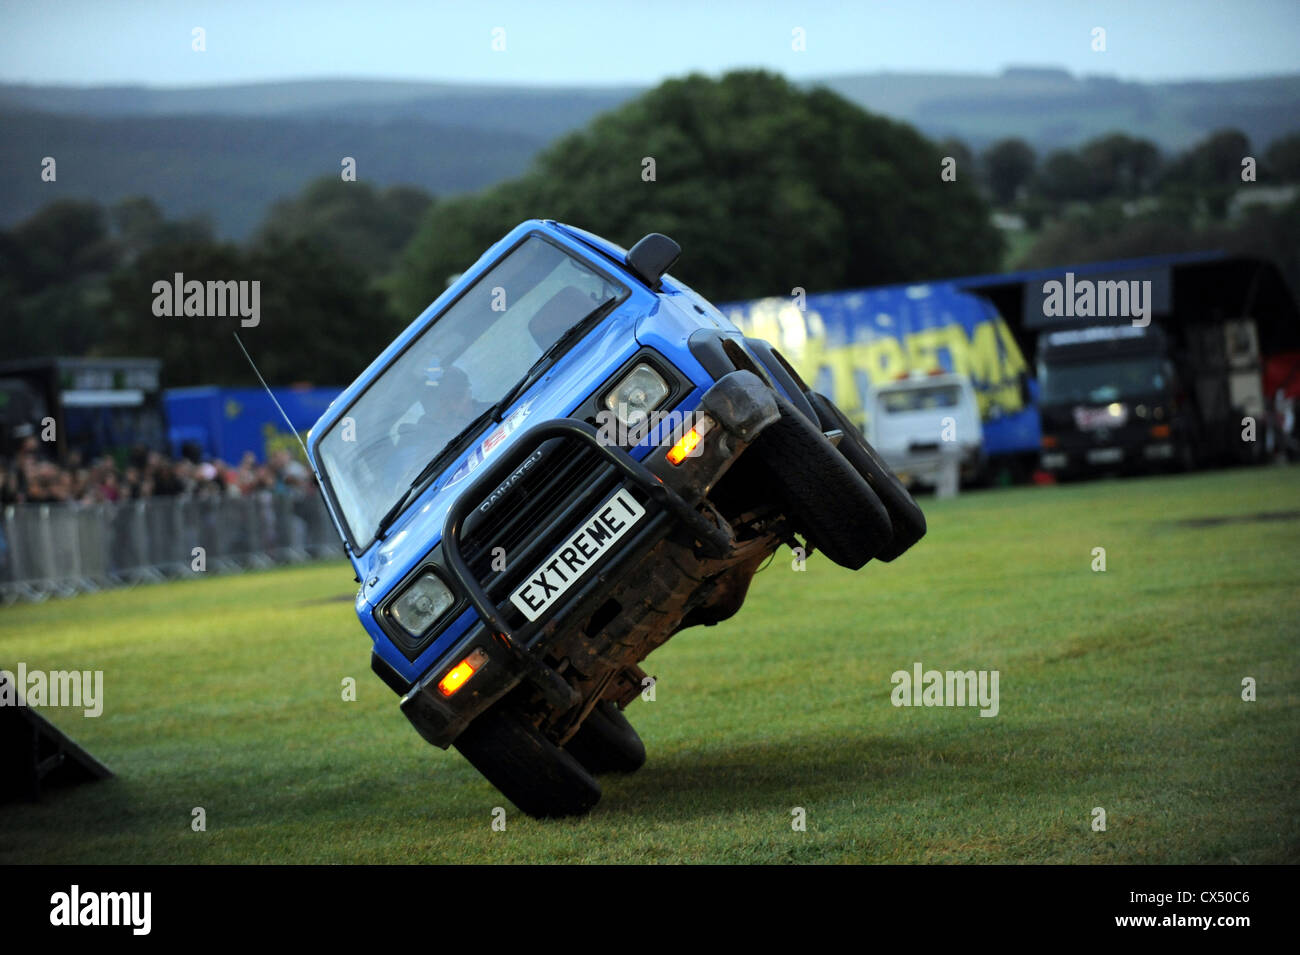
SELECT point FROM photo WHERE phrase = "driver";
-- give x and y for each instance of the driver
(453, 402)
(451, 407)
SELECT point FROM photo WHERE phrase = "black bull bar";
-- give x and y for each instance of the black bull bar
(715, 539)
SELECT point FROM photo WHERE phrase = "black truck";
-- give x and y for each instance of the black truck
(93, 406)
(1126, 397)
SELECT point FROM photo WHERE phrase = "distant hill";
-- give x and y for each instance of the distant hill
(232, 168)
(542, 113)
(1051, 108)
(230, 151)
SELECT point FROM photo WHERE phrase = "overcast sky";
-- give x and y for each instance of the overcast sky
(553, 42)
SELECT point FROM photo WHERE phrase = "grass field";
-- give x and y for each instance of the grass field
(1119, 690)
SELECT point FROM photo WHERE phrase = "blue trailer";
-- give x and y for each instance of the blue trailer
(227, 422)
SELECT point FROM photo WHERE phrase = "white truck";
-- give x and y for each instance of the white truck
(927, 428)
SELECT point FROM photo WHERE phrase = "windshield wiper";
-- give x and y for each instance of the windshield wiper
(428, 470)
(560, 344)
(493, 413)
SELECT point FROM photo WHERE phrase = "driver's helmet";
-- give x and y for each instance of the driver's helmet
(452, 385)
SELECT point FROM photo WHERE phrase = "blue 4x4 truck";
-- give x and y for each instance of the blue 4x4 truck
(566, 459)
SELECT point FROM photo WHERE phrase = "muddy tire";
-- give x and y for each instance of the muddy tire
(906, 518)
(541, 779)
(828, 501)
(606, 742)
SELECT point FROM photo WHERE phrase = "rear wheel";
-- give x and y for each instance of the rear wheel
(532, 772)
(829, 502)
(606, 742)
(906, 518)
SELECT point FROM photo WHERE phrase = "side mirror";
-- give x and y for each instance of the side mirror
(651, 257)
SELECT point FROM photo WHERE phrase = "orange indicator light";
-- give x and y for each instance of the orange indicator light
(688, 442)
(459, 675)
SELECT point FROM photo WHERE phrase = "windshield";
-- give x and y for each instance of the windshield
(1101, 382)
(462, 364)
(920, 399)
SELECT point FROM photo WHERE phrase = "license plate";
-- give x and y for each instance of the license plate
(582, 551)
(1105, 455)
(1093, 419)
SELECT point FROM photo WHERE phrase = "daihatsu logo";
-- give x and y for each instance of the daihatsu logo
(509, 482)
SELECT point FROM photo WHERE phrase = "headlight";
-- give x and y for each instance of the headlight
(638, 394)
(422, 603)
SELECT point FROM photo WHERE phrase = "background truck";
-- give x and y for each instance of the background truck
(1131, 397)
(1216, 355)
(97, 406)
(923, 424)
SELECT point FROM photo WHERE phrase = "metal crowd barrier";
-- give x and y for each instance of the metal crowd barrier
(49, 550)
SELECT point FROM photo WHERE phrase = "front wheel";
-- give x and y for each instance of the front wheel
(907, 519)
(829, 502)
(532, 772)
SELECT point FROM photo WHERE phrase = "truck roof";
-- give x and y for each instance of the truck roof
(916, 382)
(1102, 340)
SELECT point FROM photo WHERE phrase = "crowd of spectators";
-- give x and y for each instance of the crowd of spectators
(33, 476)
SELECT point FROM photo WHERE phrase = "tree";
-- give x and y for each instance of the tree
(65, 239)
(1102, 233)
(1210, 172)
(1120, 166)
(319, 320)
(1063, 177)
(765, 186)
(1008, 165)
(1214, 161)
(1282, 159)
(52, 268)
(367, 226)
(139, 224)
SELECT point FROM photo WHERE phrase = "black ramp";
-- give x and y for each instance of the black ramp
(35, 754)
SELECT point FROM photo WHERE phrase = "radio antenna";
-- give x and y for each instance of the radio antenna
(271, 394)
